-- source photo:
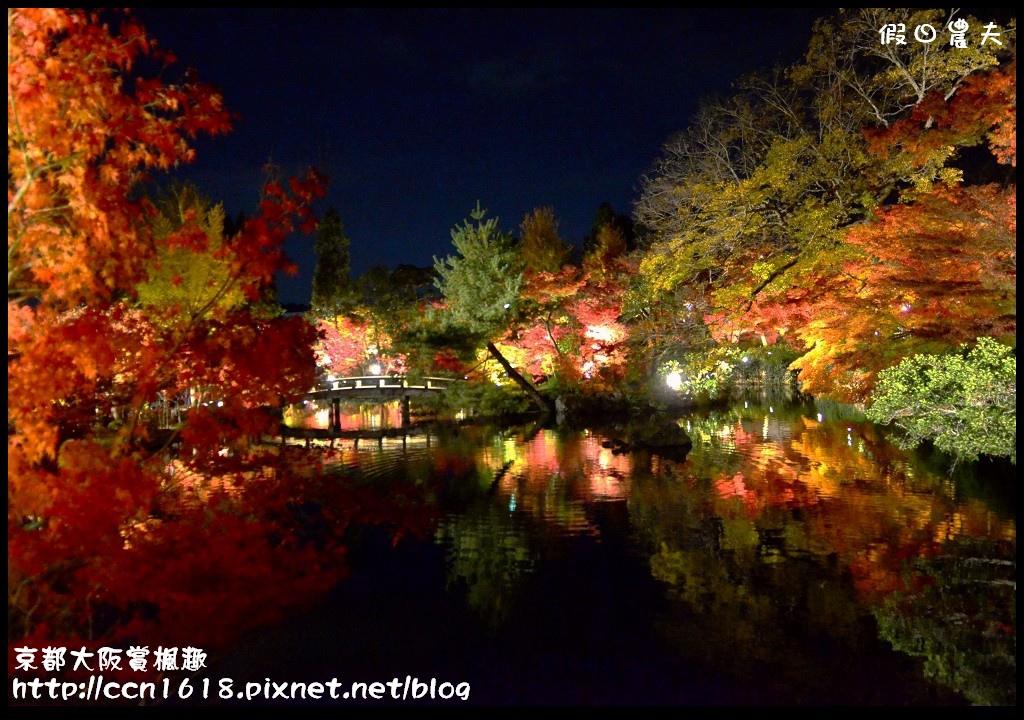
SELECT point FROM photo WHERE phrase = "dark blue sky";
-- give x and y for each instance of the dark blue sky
(415, 115)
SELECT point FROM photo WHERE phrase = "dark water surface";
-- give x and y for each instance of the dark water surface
(777, 564)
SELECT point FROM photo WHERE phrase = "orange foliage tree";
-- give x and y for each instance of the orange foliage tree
(931, 276)
(109, 534)
(933, 272)
(572, 326)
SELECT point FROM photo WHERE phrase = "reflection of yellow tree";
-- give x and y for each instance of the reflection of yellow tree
(538, 481)
(738, 608)
(761, 530)
(862, 499)
(488, 553)
(962, 621)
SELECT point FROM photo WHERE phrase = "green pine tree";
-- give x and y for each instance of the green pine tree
(481, 286)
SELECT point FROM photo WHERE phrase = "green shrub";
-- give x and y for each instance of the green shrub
(964, 401)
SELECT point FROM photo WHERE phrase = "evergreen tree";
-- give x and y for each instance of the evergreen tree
(607, 220)
(333, 293)
(482, 286)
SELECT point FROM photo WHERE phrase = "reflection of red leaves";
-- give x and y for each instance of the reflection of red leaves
(261, 540)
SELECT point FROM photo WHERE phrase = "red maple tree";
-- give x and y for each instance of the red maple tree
(119, 528)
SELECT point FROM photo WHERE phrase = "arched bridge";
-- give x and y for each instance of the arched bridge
(381, 388)
(378, 387)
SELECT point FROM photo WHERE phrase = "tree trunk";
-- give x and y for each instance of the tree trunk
(542, 402)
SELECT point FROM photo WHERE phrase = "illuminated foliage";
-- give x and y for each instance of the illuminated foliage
(82, 131)
(929, 277)
(191, 275)
(965, 402)
(570, 326)
(481, 286)
(482, 282)
(771, 214)
(117, 527)
(343, 346)
(542, 248)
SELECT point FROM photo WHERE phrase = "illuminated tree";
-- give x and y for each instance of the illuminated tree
(196, 278)
(481, 287)
(937, 270)
(542, 248)
(99, 516)
(761, 211)
(965, 402)
(762, 184)
(605, 218)
(343, 347)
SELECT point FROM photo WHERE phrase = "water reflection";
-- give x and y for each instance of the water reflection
(833, 487)
(792, 549)
(316, 414)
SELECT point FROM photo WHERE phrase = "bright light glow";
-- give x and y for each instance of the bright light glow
(674, 380)
(746, 359)
(821, 418)
(905, 307)
(601, 333)
(771, 409)
(220, 403)
(375, 369)
(508, 305)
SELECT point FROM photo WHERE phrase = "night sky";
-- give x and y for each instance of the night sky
(414, 115)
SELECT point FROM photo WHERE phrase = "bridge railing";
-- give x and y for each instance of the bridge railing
(388, 382)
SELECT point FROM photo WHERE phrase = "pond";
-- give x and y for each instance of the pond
(795, 556)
